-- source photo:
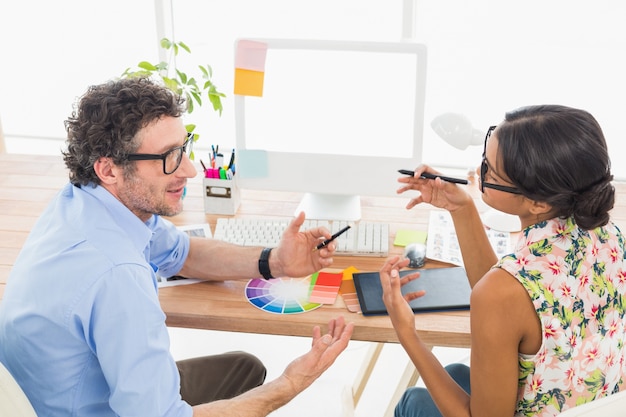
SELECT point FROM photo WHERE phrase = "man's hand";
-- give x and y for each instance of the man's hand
(296, 256)
(303, 371)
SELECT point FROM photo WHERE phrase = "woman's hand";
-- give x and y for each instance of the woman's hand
(400, 312)
(437, 192)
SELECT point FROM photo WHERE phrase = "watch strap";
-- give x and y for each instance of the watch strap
(264, 263)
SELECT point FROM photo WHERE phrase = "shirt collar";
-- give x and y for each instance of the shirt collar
(137, 231)
(547, 229)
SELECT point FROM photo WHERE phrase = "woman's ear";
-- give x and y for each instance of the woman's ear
(540, 207)
(106, 170)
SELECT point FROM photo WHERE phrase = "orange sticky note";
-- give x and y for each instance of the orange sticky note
(249, 83)
(348, 291)
(347, 273)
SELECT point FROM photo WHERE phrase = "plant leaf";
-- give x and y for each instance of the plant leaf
(147, 66)
(197, 97)
(193, 84)
(184, 46)
(216, 102)
(172, 84)
(166, 43)
(209, 70)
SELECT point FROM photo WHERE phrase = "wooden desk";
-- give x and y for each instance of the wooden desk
(28, 183)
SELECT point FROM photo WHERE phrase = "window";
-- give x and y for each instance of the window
(485, 57)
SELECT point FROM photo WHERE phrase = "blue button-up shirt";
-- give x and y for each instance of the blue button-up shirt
(81, 328)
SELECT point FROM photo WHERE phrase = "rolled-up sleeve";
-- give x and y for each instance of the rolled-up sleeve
(169, 246)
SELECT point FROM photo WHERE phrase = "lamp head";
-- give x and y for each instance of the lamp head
(456, 130)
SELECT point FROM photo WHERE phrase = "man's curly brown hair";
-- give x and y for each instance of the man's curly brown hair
(107, 119)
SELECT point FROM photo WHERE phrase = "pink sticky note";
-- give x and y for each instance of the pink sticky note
(250, 55)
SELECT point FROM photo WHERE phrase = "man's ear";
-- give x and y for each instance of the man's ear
(106, 170)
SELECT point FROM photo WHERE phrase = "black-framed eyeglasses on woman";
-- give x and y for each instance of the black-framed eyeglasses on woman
(483, 171)
(171, 159)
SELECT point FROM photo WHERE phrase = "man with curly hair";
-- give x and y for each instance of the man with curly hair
(81, 327)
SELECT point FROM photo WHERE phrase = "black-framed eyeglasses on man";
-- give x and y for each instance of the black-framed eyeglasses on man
(484, 166)
(171, 159)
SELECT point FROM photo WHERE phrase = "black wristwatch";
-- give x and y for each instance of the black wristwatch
(264, 263)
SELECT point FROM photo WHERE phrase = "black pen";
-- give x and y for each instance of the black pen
(429, 176)
(333, 237)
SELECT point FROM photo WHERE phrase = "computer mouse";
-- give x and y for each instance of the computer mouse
(416, 254)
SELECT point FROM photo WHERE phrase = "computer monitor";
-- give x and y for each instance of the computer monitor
(336, 120)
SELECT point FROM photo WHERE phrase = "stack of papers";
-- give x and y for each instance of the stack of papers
(443, 245)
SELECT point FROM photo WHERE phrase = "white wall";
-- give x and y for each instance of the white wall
(485, 56)
(52, 50)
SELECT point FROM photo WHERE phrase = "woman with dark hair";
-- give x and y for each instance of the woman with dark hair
(548, 321)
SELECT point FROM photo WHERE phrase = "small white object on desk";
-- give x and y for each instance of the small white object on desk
(500, 221)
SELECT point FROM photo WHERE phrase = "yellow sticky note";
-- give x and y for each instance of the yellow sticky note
(347, 273)
(406, 237)
(249, 83)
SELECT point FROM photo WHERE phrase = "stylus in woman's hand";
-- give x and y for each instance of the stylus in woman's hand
(429, 176)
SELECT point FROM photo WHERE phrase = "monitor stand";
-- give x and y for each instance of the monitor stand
(330, 207)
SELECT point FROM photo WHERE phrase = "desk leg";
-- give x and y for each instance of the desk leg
(366, 371)
(408, 379)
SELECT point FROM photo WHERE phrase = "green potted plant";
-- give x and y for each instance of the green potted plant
(181, 82)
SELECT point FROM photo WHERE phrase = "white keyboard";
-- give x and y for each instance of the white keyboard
(362, 239)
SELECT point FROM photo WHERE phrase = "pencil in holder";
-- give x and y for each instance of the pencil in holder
(220, 196)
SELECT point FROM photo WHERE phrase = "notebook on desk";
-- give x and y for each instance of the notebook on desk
(446, 289)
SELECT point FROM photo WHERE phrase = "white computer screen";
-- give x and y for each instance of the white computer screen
(335, 119)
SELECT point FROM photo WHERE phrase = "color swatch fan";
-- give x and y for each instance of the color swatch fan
(281, 295)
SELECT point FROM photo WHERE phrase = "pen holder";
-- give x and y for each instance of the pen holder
(220, 196)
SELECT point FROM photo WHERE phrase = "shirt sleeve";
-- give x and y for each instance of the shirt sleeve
(169, 246)
(124, 326)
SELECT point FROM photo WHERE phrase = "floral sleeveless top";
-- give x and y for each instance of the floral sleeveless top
(576, 280)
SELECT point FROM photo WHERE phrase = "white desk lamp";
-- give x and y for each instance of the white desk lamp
(456, 130)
